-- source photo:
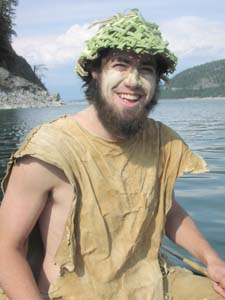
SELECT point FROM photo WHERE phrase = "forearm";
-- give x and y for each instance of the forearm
(16, 277)
(181, 229)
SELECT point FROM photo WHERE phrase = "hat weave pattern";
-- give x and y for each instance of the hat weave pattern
(127, 32)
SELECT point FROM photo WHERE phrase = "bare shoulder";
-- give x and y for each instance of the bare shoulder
(31, 173)
(30, 183)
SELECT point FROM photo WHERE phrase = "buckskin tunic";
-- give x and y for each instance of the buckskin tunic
(122, 193)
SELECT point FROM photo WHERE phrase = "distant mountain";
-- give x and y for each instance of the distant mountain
(206, 80)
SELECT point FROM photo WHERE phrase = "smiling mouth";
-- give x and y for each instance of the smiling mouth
(132, 98)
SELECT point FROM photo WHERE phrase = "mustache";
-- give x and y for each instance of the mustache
(131, 90)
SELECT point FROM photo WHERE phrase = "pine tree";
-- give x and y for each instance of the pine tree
(7, 13)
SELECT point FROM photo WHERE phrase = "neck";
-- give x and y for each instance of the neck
(89, 120)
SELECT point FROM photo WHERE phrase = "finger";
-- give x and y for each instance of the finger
(222, 283)
(219, 289)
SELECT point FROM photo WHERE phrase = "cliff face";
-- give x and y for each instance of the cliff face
(19, 85)
(18, 66)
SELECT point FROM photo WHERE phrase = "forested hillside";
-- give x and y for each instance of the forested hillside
(7, 12)
(20, 85)
(207, 80)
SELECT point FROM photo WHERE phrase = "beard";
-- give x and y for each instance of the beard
(123, 125)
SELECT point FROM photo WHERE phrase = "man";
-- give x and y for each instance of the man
(100, 186)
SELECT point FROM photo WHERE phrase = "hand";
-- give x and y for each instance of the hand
(216, 272)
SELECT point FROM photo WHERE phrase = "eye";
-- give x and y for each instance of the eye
(145, 69)
(120, 66)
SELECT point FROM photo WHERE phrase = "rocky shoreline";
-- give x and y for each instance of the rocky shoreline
(26, 99)
(18, 92)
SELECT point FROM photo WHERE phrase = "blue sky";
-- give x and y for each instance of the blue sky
(52, 33)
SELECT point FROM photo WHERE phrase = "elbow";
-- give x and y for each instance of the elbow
(8, 249)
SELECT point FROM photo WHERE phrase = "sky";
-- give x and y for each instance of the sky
(51, 34)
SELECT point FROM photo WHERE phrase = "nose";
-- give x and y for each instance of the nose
(133, 78)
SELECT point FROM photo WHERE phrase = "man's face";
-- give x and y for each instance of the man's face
(126, 83)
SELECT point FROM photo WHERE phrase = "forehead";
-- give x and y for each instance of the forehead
(130, 57)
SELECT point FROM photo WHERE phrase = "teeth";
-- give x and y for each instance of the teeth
(129, 97)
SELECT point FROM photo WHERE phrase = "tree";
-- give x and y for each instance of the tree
(7, 13)
(39, 70)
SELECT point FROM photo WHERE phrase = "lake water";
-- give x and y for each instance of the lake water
(200, 122)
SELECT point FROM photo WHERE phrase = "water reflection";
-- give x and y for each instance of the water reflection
(10, 135)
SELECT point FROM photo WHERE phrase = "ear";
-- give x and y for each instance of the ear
(94, 75)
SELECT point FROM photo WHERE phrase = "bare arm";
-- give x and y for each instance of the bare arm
(25, 197)
(181, 229)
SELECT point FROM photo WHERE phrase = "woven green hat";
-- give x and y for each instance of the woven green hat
(127, 32)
